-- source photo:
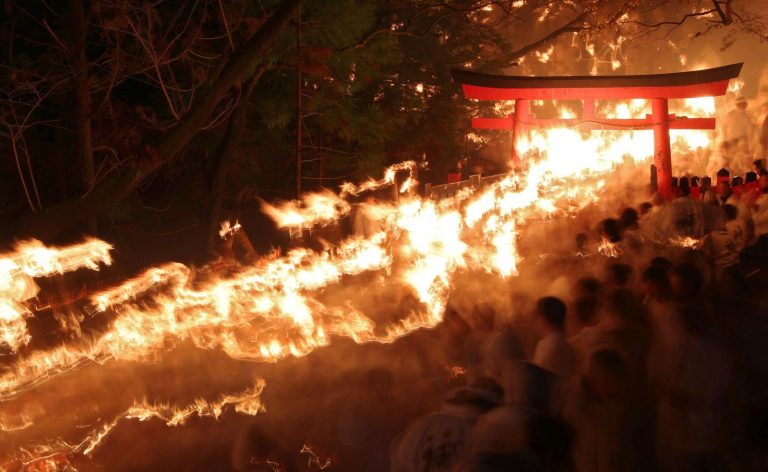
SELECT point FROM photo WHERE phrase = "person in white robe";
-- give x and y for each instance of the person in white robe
(678, 220)
(437, 442)
(723, 245)
(760, 208)
(553, 352)
(692, 391)
(739, 137)
(608, 428)
(527, 393)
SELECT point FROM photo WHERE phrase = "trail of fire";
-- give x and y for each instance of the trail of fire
(46, 455)
(274, 308)
(270, 303)
(32, 259)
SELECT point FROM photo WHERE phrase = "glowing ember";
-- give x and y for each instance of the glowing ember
(686, 242)
(457, 371)
(313, 459)
(609, 249)
(228, 229)
(544, 56)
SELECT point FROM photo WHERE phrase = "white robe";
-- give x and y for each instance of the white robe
(528, 391)
(583, 344)
(725, 244)
(435, 442)
(499, 347)
(554, 354)
(692, 412)
(501, 430)
(760, 215)
(738, 124)
(683, 217)
(603, 431)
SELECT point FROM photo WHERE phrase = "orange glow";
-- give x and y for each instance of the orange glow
(31, 259)
(274, 308)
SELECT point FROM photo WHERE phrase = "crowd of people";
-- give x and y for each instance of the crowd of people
(653, 363)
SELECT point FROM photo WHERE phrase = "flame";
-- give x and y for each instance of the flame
(320, 208)
(9, 423)
(609, 249)
(606, 148)
(247, 402)
(700, 105)
(33, 259)
(132, 288)
(323, 208)
(544, 14)
(313, 459)
(369, 185)
(566, 113)
(735, 86)
(545, 56)
(274, 308)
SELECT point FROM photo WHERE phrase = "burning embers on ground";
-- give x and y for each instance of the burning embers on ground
(293, 304)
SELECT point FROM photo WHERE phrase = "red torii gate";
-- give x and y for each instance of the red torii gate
(656, 87)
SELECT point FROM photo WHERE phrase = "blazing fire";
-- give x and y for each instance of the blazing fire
(565, 147)
(32, 259)
(47, 456)
(275, 308)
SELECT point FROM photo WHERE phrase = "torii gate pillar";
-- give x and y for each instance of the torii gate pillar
(662, 155)
(522, 109)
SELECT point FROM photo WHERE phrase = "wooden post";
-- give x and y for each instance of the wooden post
(662, 155)
(522, 110)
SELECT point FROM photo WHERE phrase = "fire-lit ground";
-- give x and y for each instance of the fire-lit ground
(298, 335)
(308, 400)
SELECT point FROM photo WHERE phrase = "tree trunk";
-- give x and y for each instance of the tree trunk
(5, 32)
(299, 121)
(81, 108)
(231, 74)
(70, 214)
(225, 154)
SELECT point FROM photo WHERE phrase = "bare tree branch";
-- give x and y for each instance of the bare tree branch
(675, 23)
(723, 17)
(71, 213)
(569, 27)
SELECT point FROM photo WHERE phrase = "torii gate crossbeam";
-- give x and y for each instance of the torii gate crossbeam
(659, 88)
